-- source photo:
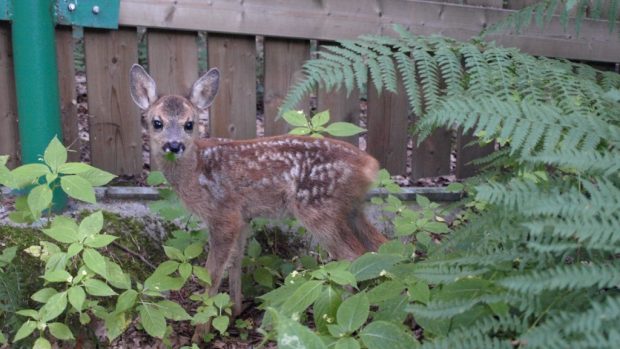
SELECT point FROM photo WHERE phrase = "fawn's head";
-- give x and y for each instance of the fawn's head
(171, 119)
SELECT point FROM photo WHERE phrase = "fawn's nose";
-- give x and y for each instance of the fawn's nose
(174, 147)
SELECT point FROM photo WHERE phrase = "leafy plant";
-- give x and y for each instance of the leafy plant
(317, 125)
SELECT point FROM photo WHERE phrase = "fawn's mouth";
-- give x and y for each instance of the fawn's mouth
(173, 150)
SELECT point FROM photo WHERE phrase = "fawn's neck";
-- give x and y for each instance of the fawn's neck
(179, 171)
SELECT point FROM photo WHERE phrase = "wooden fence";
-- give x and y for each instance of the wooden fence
(287, 27)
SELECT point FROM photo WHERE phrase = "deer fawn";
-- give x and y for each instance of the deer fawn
(321, 182)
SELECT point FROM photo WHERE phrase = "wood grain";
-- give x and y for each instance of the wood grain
(339, 19)
(388, 120)
(432, 157)
(9, 133)
(173, 60)
(68, 94)
(115, 127)
(466, 152)
(233, 114)
(283, 61)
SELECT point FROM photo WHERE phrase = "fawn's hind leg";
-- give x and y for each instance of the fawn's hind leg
(331, 229)
(370, 237)
(234, 272)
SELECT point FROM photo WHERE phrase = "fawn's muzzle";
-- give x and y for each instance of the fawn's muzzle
(174, 147)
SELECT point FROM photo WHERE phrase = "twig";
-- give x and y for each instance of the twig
(135, 254)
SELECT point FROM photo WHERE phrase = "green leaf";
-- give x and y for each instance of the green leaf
(55, 154)
(3, 339)
(174, 253)
(96, 177)
(455, 187)
(202, 274)
(167, 268)
(353, 312)
(39, 198)
(60, 331)
(320, 119)
(292, 335)
(116, 276)
(173, 311)
(25, 330)
(41, 343)
(420, 292)
(152, 320)
(220, 323)
(74, 249)
(194, 250)
(55, 306)
(221, 300)
(115, 324)
(302, 298)
(155, 178)
(126, 301)
(57, 275)
(423, 201)
(343, 129)
(383, 334)
(436, 227)
(370, 265)
(74, 168)
(28, 174)
(161, 283)
(99, 241)
(78, 188)
(296, 118)
(98, 288)
(63, 229)
(300, 131)
(325, 307)
(43, 294)
(95, 262)
(263, 277)
(91, 225)
(342, 277)
(385, 290)
(347, 343)
(77, 296)
(84, 319)
(4, 159)
(31, 313)
(185, 270)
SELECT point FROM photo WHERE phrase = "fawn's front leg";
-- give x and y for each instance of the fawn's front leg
(225, 233)
(234, 272)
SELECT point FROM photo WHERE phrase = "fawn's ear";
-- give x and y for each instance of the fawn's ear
(205, 89)
(142, 86)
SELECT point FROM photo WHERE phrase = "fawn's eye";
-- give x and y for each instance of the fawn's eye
(157, 124)
(189, 126)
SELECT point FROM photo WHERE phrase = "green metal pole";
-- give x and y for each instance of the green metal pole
(36, 80)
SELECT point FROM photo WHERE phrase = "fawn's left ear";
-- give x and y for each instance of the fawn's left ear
(142, 87)
(204, 89)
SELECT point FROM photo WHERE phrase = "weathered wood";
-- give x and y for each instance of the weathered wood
(388, 120)
(483, 3)
(341, 106)
(283, 61)
(466, 152)
(432, 157)
(115, 127)
(9, 133)
(68, 94)
(337, 19)
(233, 114)
(173, 62)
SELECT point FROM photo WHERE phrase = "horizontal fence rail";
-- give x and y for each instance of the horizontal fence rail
(175, 35)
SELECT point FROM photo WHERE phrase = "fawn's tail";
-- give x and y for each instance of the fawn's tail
(365, 232)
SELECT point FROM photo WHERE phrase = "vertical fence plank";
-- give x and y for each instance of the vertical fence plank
(432, 157)
(341, 107)
(388, 119)
(283, 61)
(465, 153)
(9, 134)
(233, 114)
(68, 95)
(173, 62)
(115, 127)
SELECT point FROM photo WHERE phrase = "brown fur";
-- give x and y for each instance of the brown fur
(321, 182)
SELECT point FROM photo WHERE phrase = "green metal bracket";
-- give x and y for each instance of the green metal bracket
(88, 13)
(5, 10)
(82, 13)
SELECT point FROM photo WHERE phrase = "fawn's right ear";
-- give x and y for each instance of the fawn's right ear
(142, 86)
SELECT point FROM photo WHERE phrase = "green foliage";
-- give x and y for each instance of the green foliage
(316, 126)
(542, 13)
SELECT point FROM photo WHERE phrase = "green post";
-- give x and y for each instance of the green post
(36, 80)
